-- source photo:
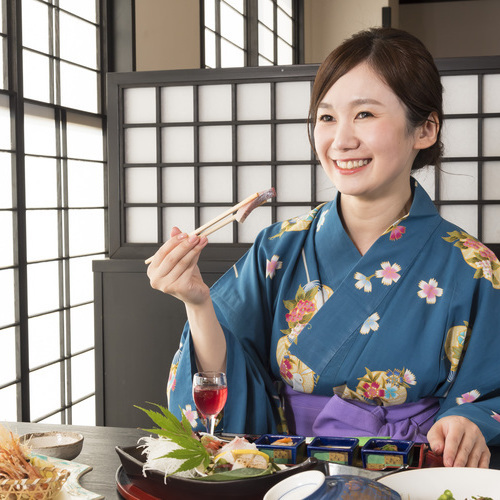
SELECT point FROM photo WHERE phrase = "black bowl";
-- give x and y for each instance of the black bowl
(173, 488)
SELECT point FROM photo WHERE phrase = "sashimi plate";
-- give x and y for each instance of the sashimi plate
(154, 482)
(463, 482)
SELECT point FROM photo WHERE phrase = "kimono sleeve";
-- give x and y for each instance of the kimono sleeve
(242, 302)
(475, 393)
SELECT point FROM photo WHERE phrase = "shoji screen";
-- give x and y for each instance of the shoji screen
(184, 145)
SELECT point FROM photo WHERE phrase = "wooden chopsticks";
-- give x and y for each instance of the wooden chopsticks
(219, 221)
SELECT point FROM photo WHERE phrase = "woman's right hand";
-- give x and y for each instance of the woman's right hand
(174, 268)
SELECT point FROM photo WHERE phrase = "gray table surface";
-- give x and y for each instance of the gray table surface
(98, 451)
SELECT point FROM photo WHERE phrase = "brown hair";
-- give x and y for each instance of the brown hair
(406, 66)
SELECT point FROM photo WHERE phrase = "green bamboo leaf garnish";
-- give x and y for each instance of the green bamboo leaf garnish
(191, 450)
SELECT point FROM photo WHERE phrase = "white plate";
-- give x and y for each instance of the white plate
(428, 484)
(297, 487)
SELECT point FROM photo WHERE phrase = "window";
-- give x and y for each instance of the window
(250, 33)
(52, 207)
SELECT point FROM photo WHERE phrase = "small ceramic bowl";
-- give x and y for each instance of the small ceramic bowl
(297, 487)
(56, 444)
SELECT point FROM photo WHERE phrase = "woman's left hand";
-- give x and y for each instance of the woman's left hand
(460, 441)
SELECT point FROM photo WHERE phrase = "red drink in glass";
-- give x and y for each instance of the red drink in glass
(210, 399)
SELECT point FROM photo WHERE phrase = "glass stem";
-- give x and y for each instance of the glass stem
(211, 425)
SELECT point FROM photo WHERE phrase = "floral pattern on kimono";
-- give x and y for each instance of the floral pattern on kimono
(455, 346)
(477, 255)
(308, 300)
(300, 223)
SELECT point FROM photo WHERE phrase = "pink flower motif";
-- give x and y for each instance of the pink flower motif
(397, 232)
(495, 416)
(485, 265)
(487, 253)
(388, 273)
(191, 415)
(429, 291)
(272, 265)
(468, 397)
(285, 368)
(300, 310)
(409, 377)
(472, 243)
(372, 390)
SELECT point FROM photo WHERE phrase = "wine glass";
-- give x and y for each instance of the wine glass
(209, 394)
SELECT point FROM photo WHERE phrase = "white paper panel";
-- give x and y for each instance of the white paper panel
(253, 179)
(491, 93)
(232, 25)
(81, 280)
(460, 137)
(85, 137)
(7, 311)
(209, 9)
(43, 339)
(285, 213)
(83, 413)
(254, 142)
(36, 76)
(210, 49)
(39, 130)
(491, 224)
(7, 246)
(491, 180)
(181, 217)
(41, 172)
(253, 101)
(491, 137)
(292, 142)
(5, 140)
(42, 235)
(231, 56)
(266, 13)
(266, 43)
(285, 27)
(141, 225)
(177, 144)
(426, 178)
(223, 235)
(43, 401)
(460, 94)
(139, 105)
(8, 404)
(6, 180)
(140, 185)
(82, 327)
(214, 102)
(464, 216)
(82, 375)
(86, 231)
(292, 100)
(260, 218)
(237, 4)
(286, 5)
(325, 191)
(140, 145)
(293, 182)
(8, 350)
(43, 287)
(459, 181)
(215, 143)
(216, 184)
(177, 104)
(285, 53)
(85, 184)
(178, 184)
(79, 88)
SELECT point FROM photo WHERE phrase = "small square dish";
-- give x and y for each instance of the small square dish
(332, 449)
(283, 449)
(379, 454)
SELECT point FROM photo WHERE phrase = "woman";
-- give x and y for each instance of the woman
(377, 316)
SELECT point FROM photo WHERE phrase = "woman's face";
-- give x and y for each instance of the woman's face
(362, 138)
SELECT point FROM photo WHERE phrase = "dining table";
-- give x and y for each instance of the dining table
(99, 452)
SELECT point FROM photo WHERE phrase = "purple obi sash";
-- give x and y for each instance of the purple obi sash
(312, 415)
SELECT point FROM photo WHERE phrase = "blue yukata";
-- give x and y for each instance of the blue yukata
(380, 344)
